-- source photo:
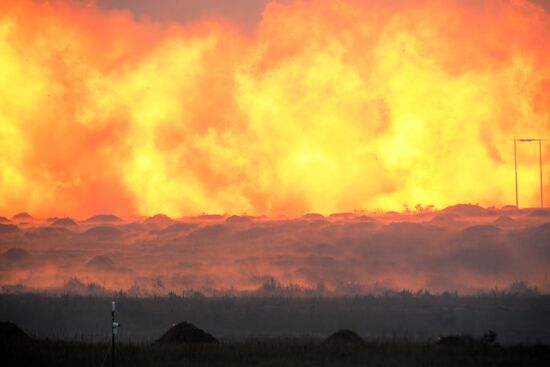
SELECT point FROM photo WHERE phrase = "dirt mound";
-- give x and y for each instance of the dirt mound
(104, 218)
(15, 254)
(8, 228)
(210, 217)
(48, 232)
(101, 262)
(22, 216)
(10, 332)
(208, 233)
(504, 219)
(467, 210)
(345, 336)
(161, 219)
(102, 232)
(186, 333)
(313, 216)
(65, 222)
(480, 232)
(178, 227)
(363, 218)
(448, 218)
(341, 216)
(539, 213)
(239, 219)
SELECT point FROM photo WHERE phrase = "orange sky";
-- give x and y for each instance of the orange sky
(323, 106)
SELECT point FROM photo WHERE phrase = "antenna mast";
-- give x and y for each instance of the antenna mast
(114, 332)
(516, 168)
(530, 140)
(540, 165)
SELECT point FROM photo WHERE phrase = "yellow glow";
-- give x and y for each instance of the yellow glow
(329, 106)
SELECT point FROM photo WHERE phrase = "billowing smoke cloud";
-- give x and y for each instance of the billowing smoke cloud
(321, 106)
(245, 13)
(464, 248)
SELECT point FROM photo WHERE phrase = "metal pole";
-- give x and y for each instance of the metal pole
(540, 164)
(113, 335)
(516, 170)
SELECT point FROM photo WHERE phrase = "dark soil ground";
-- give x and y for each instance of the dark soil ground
(517, 319)
(268, 352)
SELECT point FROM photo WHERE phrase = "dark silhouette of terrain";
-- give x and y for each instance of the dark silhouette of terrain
(101, 262)
(178, 227)
(160, 219)
(210, 217)
(345, 336)
(467, 340)
(105, 218)
(41, 233)
(15, 254)
(8, 228)
(21, 351)
(186, 333)
(102, 232)
(10, 332)
(517, 317)
(65, 222)
(238, 219)
(313, 216)
(540, 213)
(22, 216)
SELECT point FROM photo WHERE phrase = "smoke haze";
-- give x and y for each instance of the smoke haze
(464, 248)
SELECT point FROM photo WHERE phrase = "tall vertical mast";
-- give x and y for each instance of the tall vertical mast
(540, 165)
(113, 332)
(516, 170)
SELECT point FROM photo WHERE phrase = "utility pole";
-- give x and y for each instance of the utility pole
(516, 169)
(540, 167)
(114, 332)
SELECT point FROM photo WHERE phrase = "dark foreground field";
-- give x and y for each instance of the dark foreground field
(516, 318)
(400, 329)
(269, 352)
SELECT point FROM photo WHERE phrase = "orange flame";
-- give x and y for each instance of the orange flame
(329, 106)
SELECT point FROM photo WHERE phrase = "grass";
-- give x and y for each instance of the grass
(267, 352)
(516, 318)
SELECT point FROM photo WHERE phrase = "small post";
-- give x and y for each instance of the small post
(540, 165)
(113, 332)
